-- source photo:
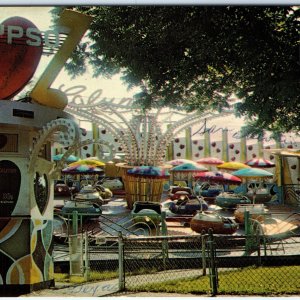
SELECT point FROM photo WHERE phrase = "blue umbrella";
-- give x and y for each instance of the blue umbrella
(185, 171)
(252, 173)
(149, 171)
(189, 167)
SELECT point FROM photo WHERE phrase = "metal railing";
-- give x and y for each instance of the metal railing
(292, 193)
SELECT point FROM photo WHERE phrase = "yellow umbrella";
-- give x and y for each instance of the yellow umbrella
(89, 162)
(232, 165)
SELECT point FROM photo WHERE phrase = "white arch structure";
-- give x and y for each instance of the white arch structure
(139, 133)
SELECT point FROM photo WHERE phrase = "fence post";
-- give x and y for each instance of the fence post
(248, 233)
(121, 262)
(203, 253)
(212, 266)
(86, 261)
(75, 222)
(164, 229)
(164, 232)
(258, 248)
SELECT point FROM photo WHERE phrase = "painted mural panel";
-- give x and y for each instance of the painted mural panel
(10, 181)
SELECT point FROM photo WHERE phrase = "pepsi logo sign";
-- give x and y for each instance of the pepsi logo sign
(18, 58)
(30, 36)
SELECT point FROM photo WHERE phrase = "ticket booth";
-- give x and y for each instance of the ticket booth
(26, 193)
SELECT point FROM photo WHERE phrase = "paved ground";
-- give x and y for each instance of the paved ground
(97, 289)
(109, 288)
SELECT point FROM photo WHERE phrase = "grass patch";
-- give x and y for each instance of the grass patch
(261, 280)
(247, 281)
(199, 285)
(94, 276)
(97, 276)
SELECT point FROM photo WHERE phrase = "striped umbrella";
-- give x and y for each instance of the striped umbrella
(82, 169)
(217, 177)
(260, 163)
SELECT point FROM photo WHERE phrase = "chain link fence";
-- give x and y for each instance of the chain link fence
(202, 264)
(207, 264)
(149, 261)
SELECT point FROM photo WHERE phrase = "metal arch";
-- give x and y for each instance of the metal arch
(69, 135)
(76, 146)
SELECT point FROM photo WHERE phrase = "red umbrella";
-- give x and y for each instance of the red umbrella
(217, 177)
(211, 161)
(260, 163)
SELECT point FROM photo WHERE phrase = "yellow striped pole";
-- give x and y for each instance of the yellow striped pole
(188, 143)
(207, 149)
(96, 136)
(225, 155)
(243, 153)
(170, 149)
(260, 144)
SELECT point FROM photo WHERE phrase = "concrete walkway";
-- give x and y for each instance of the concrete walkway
(99, 289)
(111, 287)
(94, 289)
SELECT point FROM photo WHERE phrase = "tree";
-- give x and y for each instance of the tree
(198, 57)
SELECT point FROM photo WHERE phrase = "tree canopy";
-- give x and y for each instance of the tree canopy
(199, 56)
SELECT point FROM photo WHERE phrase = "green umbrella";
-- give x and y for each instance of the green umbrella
(70, 159)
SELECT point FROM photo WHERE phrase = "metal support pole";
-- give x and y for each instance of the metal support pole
(265, 246)
(75, 222)
(121, 263)
(212, 268)
(86, 260)
(164, 228)
(203, 253)
(248, 232)
(164, 232)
